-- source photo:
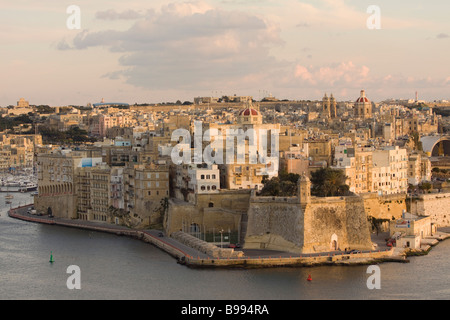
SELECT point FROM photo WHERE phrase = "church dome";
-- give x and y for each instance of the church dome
(362, 98)
(249, 112)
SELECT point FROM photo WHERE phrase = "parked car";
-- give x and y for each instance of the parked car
(353, 251)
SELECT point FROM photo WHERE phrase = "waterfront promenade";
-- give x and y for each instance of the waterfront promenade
(193, 257)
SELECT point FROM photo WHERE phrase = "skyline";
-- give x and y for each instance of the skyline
(137, 52)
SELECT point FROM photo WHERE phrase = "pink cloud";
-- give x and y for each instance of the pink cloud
(344, 73)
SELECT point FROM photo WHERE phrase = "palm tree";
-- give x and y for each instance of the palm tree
(328, 182)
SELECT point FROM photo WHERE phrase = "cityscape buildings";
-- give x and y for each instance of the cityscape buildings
(139, 165)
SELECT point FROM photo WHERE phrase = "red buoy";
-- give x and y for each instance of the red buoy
(309, 278)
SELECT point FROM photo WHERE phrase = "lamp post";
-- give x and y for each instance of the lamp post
(221, 238)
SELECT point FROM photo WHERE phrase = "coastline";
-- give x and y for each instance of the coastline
(193, 258)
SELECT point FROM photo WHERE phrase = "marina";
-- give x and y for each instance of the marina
(18, 181)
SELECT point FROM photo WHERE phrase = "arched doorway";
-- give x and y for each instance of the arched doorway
(334, 244)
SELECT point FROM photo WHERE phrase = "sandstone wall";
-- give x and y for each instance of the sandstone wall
(63, 206)
(435, 205)
(282, 224)
(384, 207)
(207, 218)
(274, 224)
(336, 223)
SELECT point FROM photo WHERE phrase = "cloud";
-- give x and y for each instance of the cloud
(113, 15)
(63, 45)
(187, 45)
(442, 36)
(343, 74)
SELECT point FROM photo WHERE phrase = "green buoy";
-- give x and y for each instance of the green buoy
(51, 257)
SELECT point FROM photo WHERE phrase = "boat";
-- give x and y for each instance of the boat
(28, 188)
(9, 196)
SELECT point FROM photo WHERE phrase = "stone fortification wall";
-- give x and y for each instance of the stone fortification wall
(210, 211)
(323, 225)
(275, 223)
(384, 207)
(63, 206)
(336, 223)
(434, 205)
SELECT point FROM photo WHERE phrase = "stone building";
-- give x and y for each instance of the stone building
(145, 185)
(390, 175)
(410, 230)
(356, 163)
(419, 169)
(306, 224)
(329, 106)
(58, 173)
(382, 171)
(252, 153)
(18, 151)
(363, 107)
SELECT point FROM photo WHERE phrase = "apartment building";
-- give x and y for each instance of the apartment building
(204, 178)
(356, 162)
(370, 170)
(18, 151)
(58, 173)
(145, 185)
(419, 169)
(390, 166)
(258, 143)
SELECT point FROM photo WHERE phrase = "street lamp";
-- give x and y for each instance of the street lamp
(221, 238)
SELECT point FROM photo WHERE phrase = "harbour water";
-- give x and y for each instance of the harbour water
(114, 267)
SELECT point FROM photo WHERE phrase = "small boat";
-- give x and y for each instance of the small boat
(9, 196)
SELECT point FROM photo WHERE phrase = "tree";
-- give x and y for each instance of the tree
(328, 182)
(271, 187)
(425, 186)
(285, 185)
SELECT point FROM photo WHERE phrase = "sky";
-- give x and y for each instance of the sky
(162, 51)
